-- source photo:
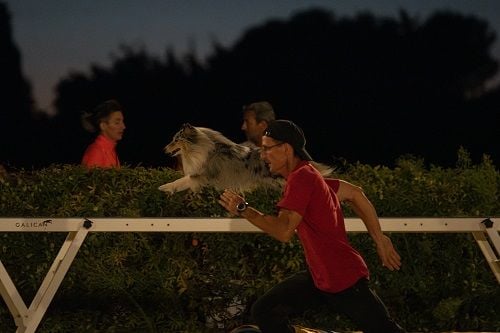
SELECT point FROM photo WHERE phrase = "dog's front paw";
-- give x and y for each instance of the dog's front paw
(168, 188)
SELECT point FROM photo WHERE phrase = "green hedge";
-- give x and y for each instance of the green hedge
(194, 282)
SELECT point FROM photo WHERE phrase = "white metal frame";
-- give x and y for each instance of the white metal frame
(485, 231)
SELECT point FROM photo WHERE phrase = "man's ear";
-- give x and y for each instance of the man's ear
(263, 125)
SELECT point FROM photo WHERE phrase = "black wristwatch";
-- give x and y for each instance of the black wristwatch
(241, 206)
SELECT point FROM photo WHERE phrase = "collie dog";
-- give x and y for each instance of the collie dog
(210, 159)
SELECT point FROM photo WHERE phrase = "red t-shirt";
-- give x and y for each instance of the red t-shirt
(334, 264)
(101, 153)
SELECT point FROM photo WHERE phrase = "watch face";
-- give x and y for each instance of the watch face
(241, 206)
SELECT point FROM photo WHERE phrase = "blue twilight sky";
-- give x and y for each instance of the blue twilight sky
(56, 37)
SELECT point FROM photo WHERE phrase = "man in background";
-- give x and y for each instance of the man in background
(256, 117)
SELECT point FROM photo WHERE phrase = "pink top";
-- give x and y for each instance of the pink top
(101, 153)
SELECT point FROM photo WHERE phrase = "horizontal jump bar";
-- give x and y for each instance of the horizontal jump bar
(445, 225)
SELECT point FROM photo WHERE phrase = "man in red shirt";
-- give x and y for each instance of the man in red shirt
(310, 207)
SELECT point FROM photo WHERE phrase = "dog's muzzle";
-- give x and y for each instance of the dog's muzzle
(174, 152)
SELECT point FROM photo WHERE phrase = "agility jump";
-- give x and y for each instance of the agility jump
(485, 232)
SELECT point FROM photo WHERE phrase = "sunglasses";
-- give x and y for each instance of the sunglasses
(265, 149)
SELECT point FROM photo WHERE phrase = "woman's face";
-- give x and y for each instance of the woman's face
(113, 127)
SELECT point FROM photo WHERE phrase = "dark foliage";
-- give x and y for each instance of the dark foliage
(188, 282)
(364, 88)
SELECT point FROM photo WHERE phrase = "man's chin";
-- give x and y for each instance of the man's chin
(272, 171)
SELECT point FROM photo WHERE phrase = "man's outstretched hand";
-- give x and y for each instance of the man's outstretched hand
(387, 254)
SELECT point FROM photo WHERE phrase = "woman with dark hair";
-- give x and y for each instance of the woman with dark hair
(107, 119)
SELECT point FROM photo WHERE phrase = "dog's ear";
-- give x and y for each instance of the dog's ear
(187, 125)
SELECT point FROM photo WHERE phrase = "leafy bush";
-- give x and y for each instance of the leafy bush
(205, 282)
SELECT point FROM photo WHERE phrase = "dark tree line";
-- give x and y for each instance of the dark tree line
(363, 88)
(15, 92)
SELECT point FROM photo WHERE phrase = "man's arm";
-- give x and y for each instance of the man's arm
(281, 227)
(360, 204)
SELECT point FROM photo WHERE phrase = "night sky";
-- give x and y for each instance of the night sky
(57, 37)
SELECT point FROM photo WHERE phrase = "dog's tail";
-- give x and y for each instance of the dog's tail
(324, 170)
